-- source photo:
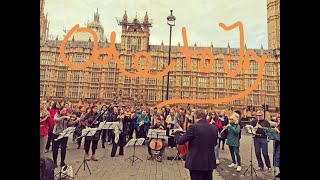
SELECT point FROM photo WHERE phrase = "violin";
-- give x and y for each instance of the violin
(156, 144)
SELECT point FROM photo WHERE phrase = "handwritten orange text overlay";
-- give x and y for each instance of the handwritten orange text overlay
(243, 63)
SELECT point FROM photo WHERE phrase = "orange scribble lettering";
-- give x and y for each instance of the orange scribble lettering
(243, 62)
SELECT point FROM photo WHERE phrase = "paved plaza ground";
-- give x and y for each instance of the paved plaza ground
(117, 168)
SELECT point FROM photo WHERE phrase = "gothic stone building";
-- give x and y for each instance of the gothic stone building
(105, 83)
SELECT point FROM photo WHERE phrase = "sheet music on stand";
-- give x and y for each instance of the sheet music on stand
(108, 125)
(156, 133)
(133, 142)
(250, 129)
(88, 132)
(65, 133)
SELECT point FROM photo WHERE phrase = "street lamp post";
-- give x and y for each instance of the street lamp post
(114, 96)
(141, 98)
(171, 22)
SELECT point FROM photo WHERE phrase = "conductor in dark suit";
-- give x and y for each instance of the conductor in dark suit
(202, 137)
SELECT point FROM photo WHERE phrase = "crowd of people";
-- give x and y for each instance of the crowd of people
(135, 122)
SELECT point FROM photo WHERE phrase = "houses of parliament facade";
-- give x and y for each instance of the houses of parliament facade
(105, 83)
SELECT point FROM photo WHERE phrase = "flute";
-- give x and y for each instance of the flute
(219, 133)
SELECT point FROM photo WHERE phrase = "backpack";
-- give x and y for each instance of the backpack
(67, 172)
(46, 168)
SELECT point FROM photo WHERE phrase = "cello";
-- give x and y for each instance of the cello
(156, 143)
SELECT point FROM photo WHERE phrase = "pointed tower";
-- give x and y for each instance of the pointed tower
(228, 48)
(124, 21)
(245, 48)
(96, 17)
(135, 33)
(146, 22)
(273, 19)
(261, 50)
(43, 22)
(211, 47)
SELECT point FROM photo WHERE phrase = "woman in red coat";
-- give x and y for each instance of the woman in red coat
(44, 126)
(53, 110)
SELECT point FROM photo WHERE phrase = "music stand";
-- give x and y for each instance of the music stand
(134, 142)
(177, 156)
(106, 125)
(65, 133)
(86, 132)
(156, 134)
(251, 130)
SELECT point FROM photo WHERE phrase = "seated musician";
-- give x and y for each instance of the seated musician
(158, 125)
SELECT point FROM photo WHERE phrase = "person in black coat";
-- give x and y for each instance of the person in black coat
(104, 132)
(123, 132)
(202, 138)
(90, 118)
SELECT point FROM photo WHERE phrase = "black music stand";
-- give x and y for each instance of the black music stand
(134, 142)
(65, 133)
(85, 133)
(250, 130)
(156, 134)
(177, 156)
(106, 125)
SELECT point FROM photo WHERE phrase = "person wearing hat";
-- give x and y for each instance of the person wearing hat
(260, 141)
(233, 140)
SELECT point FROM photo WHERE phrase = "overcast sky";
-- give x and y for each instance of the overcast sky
(200, 17)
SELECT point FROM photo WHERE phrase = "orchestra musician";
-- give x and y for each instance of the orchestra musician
(119, 134)
(170, 121)
(104, 132)
(142, 123)
(160, 126)
(92, 122)
(277, 148)
(260, 141)
(62, 121)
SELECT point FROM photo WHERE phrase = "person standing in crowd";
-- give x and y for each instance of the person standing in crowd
(44, 126)
(260, 141)
(90, 118)
(217, 122)
(143, 122)
(62, 121)
(202, 138)
(179, 118)
(233, 141)
(80, 125)
(79, 111)
(112, 118)
(170, 121)
(53, 110)
(69, 109)
(132, 120)
(105, 117)
(225, 121)
(277, 148)
(119, 134)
